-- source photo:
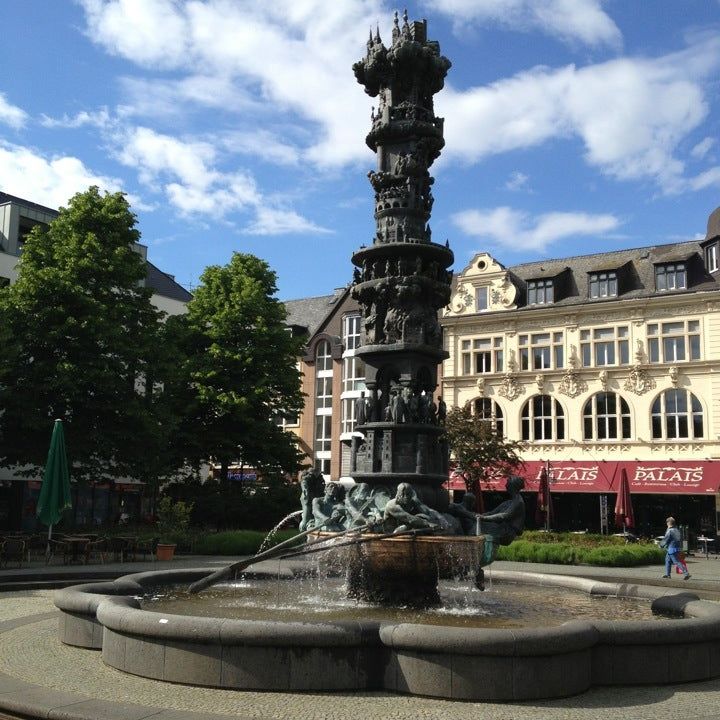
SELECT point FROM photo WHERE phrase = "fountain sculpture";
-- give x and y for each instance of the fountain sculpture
(401, 281)
(397, 528)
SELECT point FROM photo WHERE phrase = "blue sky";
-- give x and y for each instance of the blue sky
(572, 126)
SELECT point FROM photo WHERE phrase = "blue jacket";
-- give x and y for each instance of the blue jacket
(672, 540)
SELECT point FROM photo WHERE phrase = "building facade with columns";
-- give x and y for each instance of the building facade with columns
(600, 363)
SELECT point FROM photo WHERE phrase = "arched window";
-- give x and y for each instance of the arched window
(490, 411)
(543, 419)
(606, 416)
(677, 414)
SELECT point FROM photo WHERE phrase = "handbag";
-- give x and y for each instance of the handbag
(681, 559)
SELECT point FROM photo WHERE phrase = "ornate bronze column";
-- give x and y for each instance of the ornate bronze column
(402, 277)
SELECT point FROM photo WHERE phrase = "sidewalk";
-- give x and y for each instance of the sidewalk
(77, 686)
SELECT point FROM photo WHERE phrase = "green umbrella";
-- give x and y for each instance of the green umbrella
(55, 490)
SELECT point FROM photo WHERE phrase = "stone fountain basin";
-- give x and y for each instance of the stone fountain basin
(444, 662)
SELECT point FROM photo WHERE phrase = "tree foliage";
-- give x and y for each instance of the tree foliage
(79, 329)
(240, 368)
(479, 451)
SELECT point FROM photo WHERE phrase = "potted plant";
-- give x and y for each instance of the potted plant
(173, 522)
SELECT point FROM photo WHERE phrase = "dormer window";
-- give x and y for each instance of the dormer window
(711, 258)
(672, 276)
(540, 292)
(603, 284)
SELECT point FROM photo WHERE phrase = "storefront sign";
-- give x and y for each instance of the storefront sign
(664, 476)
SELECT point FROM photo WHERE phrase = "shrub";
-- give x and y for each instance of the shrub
(173, 519)
(237, 542)
(610, 554)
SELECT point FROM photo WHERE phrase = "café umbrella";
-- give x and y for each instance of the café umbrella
(55, 491)
(624, 516)
(544, 508)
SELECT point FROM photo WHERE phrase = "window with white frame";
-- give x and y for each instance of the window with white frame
(671, 276)
(348, 414)
(672, 342)
(677, 414)
(351, 331)
(482, 355)
(323, 439)
(606, 416)
(353, 371)
(603, 284)
(323, 406)
(481, 299)
(541, 351)
(353, 374)
(285, 419)
(543, 419)
(540, 292)
(488, 410)
(711, 257)
(605, 346)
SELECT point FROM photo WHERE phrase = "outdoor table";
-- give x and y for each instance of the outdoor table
(77, 547)
(705, 540)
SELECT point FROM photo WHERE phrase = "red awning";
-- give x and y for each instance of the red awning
(455, 482)
(677, 477)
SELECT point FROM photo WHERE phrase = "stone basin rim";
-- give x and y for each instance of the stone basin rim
(446, 662)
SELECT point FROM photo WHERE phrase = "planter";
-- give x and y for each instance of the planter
(165, 551)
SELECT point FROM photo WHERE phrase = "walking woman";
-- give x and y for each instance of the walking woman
(672, 542)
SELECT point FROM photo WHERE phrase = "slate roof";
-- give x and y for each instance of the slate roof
(635, 270)
(310, 313)
(164, 284)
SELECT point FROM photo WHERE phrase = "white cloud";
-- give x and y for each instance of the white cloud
(631, 114)
(11, 115)
(312, 44)
(99, 118)
(153, 32)
(262, 144)
(514, 229)
(163, 98)
(517, 181)
(703, 148)
(275, 221)
(287, 65)
(50, 182)
(570, 20)
(185, 172)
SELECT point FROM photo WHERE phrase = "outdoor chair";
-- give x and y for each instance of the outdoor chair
(118, 546)
(96, 549)
(12, 549)
(146, 547)
(60, 548)
(36, 545)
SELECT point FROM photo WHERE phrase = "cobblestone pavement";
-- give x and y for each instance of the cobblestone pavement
(33, 653)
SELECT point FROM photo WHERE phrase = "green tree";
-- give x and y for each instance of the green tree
(241, 367)
(80, 328)
(479, 451)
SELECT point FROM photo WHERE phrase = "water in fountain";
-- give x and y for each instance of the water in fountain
(310, 600)
(271, 535)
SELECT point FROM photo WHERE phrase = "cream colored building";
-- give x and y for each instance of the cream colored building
(601, 363)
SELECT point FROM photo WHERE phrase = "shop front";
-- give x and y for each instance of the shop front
(584, 492)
